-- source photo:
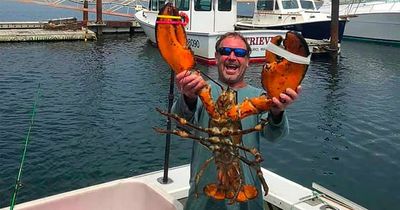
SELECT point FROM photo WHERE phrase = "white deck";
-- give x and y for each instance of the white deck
(144, 192)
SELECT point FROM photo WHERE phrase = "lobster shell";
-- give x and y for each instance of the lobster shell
(278, 73)
(171, 40)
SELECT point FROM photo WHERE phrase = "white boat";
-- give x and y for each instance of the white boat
(297, 15)
(205, 25)
(371, 20)
(207, 21)
(146, 192)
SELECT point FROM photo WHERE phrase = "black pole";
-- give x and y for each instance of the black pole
(165, 179)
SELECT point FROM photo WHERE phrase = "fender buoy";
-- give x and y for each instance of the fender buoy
(185, 18)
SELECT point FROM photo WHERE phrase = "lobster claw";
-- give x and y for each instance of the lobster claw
(171, 39)
(172, 44)
(288, 69)
(284, 68)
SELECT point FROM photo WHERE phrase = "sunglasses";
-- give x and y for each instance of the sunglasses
(239, 52)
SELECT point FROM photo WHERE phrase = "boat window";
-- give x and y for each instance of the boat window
(202, 5)
(224, 5)
(161, 3)
(265, 5)
(182, 5)
(290, 4)
(153, 5)
(307, 4)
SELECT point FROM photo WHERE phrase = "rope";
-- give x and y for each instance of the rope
(169, 16)
(18, 181)
(182, 16)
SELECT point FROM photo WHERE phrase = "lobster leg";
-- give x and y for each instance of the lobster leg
(213, 131)
(206, 141)
(184, 122)
(256, 166)
(238, 190)
(200, 174)
(186, 135)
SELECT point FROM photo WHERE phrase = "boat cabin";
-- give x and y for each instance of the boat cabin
(281, 11)
(284, 6)
(209, 15)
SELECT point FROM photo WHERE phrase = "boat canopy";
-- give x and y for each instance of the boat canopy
(284, 5)
(204, 15)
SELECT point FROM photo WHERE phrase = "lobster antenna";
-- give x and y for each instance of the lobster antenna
(213, 80)
(18, 181)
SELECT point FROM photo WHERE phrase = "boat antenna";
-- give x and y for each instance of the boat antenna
(18, 181)
(165, 179)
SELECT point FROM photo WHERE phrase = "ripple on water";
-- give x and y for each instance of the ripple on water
(96, 112)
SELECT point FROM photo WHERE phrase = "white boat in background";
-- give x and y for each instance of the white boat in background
(297, 15)
(370, 20)
(207, 21)
(145, 192)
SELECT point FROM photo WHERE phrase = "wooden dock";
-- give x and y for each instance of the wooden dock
(20, 35)
(130, 27)
(52, 30)
(62, 29)
(320, 47)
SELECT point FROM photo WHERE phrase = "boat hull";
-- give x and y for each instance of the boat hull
(377, 26)
(319, 30)
(374, 21)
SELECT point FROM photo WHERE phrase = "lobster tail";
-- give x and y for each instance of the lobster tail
(244, 194)
(171, 40)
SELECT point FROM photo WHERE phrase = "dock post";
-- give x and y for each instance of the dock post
(334, 28)
(85, 13)
(99, 16)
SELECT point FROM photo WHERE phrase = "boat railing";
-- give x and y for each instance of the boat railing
(357, 6)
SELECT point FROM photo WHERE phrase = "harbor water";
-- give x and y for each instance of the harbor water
(96, 111)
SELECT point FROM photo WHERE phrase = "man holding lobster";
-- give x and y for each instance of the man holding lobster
(232, 55)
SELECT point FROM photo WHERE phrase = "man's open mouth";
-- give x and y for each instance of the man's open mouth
(232, 67)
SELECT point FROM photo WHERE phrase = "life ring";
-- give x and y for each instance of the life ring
(185, 18)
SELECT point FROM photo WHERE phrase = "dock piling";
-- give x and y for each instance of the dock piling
(334, 28)
(85, 13)
(99, 17)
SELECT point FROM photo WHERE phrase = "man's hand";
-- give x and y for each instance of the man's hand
(189, 84)
(284, 100)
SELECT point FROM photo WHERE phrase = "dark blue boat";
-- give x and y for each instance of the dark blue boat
(297, 15)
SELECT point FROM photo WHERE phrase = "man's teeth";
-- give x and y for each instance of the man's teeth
(231, 66)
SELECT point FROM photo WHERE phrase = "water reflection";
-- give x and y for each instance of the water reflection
(332, 109)
(97, 110)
